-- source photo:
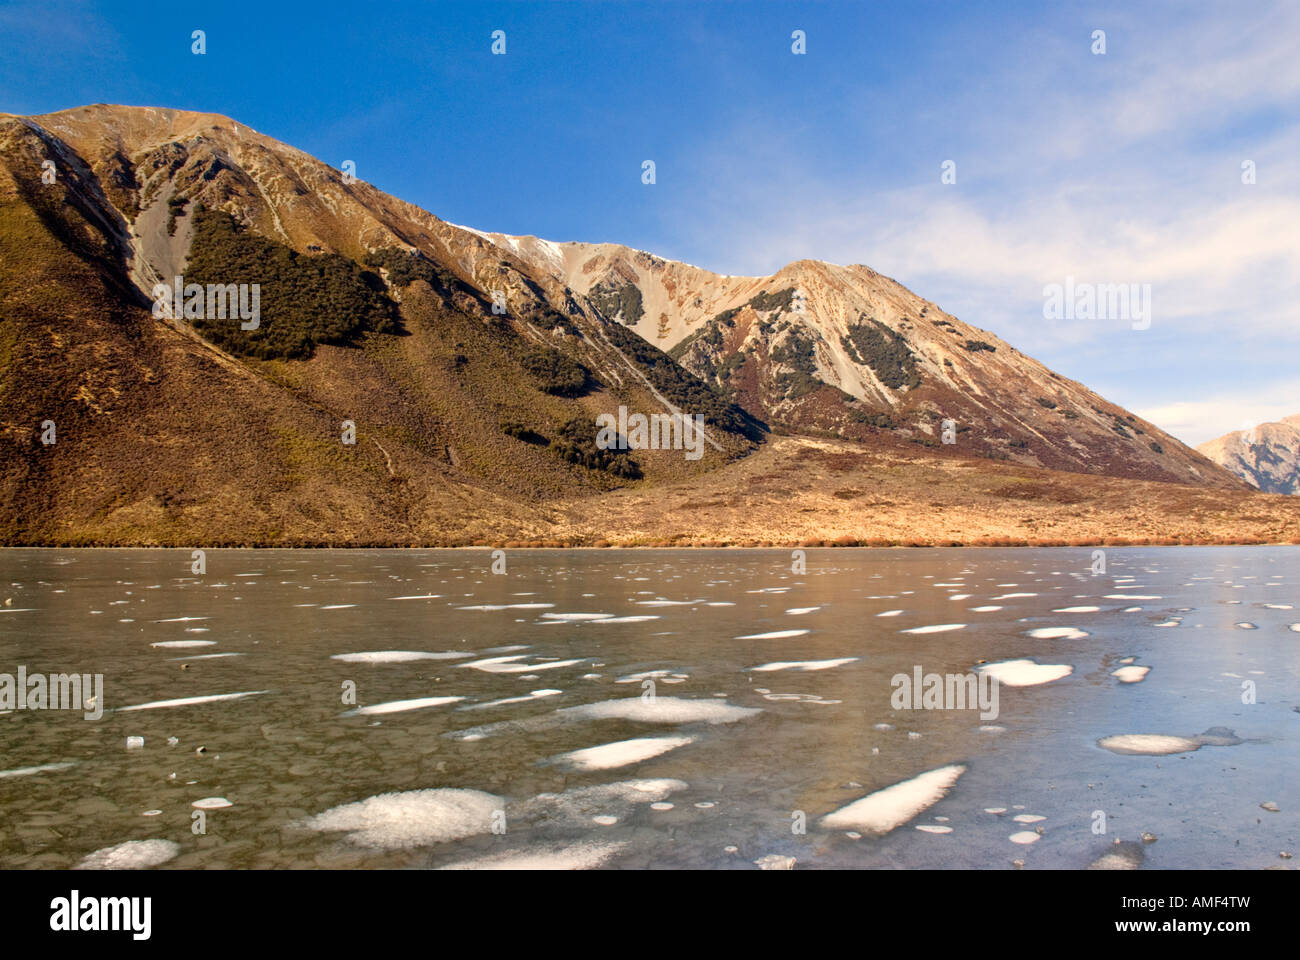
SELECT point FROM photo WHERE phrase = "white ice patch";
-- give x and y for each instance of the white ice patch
(397, 656)
(1076, 610)
(507, 664)
(774, 635)
(936, 628)
(1130, 596)
(509, 606)
(1148, 744)
(1026, 673)
(661, 710)
(1057, 633)
(608, 756)
(800, 611)
(43, 768)
(889, 613)
(132, 855)
(1013, 596)
(211, 803)
(191, 701)
(535, 695)
(984, 609)
(1131, 674)
(1024, 837)
(882, 811)
(803, 665)
(577, 616)
(400, 706)
(170, 644)
(415, 818)
(581, 856)
(641, 619)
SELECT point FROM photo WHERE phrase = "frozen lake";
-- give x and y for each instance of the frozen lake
(656, 708)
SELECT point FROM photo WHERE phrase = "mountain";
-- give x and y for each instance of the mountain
(838, 350)
(1267, 457)
(470, 370)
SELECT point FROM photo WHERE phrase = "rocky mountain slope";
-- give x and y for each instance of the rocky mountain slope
(818, 347)
(469, 368)
(1267, 457)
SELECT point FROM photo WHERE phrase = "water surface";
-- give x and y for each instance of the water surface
(499, 726)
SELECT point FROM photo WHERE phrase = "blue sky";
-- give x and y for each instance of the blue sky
(1115, 168)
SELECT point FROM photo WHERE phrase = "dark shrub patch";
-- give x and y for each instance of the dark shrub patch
(305, 300)
(884, 351)
(555, 372)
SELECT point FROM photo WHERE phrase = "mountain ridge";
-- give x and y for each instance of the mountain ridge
(1267, 456)
(470, 424)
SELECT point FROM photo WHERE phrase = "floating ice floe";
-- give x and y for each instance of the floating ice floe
(414, 818)
(986, 609)
(181, 644)
(400, 706)
(933, 828)
(1076, 610)
(398, 656)
(800, 611)
(577, 617)
(936, 628)
(42, 768)
(211, 803)
(639, 619)
(182, 619)
(191, 701)
(1057, 633)
(535, 695)
(507, 664)
(660, 710)
(1295, 627)
(803, 665)
(1131, 674)
(882, 811)
(889, 613)
(1013, 596)
(1025, 673)
(800, 698)
(1245, 626)
(581, 856)
(774, 635)
(132, 855)
(338, 606)
(1028, 818)
(1131, 596)
(1024, 837)
(645, 675)
(508, 606)
(1148, 744)
(608, 756)
(208, 656)
(419, 596)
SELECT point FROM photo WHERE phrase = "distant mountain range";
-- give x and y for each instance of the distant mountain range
(471, 369)
(1266, 456)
